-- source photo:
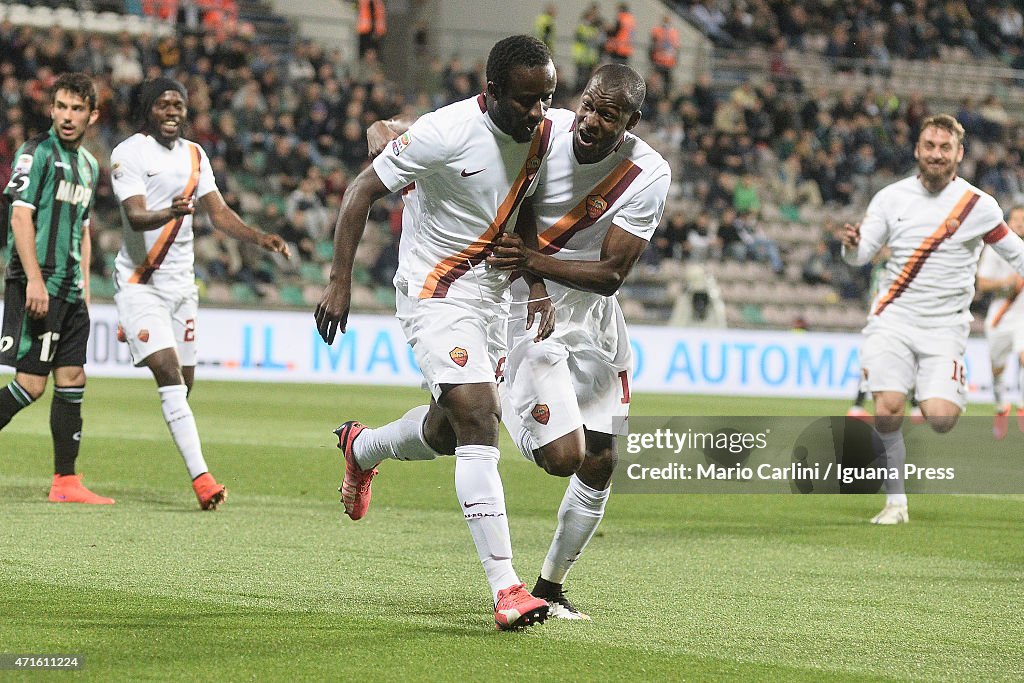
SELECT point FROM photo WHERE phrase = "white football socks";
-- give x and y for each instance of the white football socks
(892, 454)
(578, 516)
(482, 500)
(398, 440)
(181, 422)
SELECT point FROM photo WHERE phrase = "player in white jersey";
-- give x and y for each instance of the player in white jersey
(934, 224)
(601, 197)
(158, 177)
(473, 163)
(1004, 324)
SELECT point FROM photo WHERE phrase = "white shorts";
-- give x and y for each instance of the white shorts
(455, 341)
(154, 319)
(898, 357)
(1004, 340)
(578, 377)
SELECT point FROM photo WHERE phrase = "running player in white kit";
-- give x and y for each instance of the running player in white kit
(601, 197)
(935, 224)
(1004, 325)
(473, 164)
(158, 177)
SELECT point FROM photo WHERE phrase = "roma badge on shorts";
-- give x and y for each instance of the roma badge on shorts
(460, 356)
(541, 413)
(596, 205)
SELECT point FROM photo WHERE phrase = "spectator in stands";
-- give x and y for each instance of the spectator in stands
(544, 26)
(588, 40)
(995, 119)
(664, 51)
(817, 268)
(618, 46)
(711, 20)
(371, 25)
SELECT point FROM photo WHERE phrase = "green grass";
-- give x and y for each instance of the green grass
(278, 585)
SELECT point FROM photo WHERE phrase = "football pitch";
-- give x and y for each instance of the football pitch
(279, 585)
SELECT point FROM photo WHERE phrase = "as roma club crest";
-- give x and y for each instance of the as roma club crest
(541, 413)
(460, 356)
(596, 206)
(951, 226)
(532, 166)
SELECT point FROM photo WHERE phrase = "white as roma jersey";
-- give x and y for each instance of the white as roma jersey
(576, 203)
(935, 240)
(140, 165)
(1003, 311)
(470, 180)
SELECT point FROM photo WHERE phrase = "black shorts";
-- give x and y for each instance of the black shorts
(35, 346)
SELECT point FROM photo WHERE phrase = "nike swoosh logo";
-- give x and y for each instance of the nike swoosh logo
(469, 505)
(466, 175)
(150, 174)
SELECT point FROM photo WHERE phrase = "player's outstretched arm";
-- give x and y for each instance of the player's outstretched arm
(619, 253)
(230, 223)
(37, 299)
(331, 313)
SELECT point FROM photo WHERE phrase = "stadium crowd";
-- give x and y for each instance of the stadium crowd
(284, 128)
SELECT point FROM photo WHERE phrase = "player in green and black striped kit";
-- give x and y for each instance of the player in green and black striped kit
(46, 315)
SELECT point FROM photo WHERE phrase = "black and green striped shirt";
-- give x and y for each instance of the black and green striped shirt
(59, 185)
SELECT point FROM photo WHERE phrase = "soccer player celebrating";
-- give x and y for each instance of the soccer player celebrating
(46, 303)
(600, 198)
(158, 177)
(1004, 325)
(934, 223)
(473, 163)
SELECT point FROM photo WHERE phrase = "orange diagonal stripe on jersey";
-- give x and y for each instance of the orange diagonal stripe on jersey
(930, 244)
(579, 211)
(170, 229)
(479, 246)
(1009, 302)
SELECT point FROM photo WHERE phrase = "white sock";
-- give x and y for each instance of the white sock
(482, 500)
(893, 454)
(181, 422)
(578, 516)
(398, 440)
(998, 391)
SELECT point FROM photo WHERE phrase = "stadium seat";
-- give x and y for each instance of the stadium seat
(291, 295)
(241, 293)
(311, 272)
(101, 287)
(67, 18)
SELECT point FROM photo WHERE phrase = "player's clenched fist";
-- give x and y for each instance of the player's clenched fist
(850, 235)
(182, 206)
(331, 313)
